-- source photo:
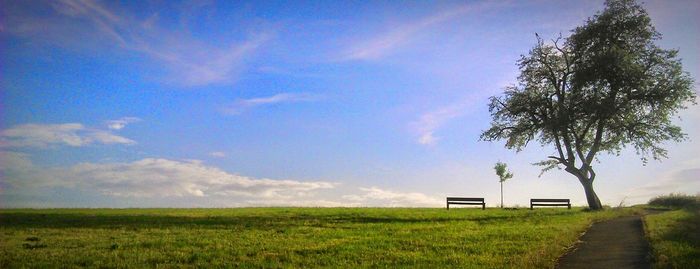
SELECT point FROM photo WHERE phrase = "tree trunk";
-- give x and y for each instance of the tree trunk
(501, 194)
(591, 196)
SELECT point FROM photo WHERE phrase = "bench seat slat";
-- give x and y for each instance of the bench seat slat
(550, 202)
(465, 201)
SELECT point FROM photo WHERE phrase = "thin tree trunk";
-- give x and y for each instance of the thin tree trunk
(501, 194)
(591, 196)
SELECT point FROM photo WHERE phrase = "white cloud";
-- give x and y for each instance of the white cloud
(44, 135)
(300, 203)
(163, 182)
(375, 195)
(242, 105)
(217, 154)
(427, 138)
(387, 42)
(14, 160)
(152, 177)
(119, 124)
(104, 137)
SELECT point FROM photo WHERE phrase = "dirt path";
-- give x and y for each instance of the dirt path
(617, 243)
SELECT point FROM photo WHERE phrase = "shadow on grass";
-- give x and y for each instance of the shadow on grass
(72, 220)
(272, 221)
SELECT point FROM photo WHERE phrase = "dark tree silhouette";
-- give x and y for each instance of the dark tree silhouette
(605, 87)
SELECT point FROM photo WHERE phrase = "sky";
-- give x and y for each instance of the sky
(293, 103)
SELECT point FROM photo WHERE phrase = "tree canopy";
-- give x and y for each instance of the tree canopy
(605, 87)
(502, 172)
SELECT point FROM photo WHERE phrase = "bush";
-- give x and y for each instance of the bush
(676, 200)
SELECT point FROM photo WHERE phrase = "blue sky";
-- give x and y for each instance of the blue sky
(319, 103)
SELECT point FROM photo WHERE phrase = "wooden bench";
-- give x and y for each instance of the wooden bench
(550, 202)
(465, 201)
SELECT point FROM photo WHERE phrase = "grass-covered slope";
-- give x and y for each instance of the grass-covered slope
(675, 238)
(290, 237)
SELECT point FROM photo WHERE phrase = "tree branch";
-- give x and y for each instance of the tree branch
(596, 141)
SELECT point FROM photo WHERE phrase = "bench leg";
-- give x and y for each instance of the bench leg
(569, 206)
(448, 206)
(483, 206)
(530, 206)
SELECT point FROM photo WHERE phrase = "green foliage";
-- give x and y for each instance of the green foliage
(291, 237)
(623, 78)
(547, 165)
(675, 238)
(605, 87)
(676, 200)
(502, 172)
(607, 77)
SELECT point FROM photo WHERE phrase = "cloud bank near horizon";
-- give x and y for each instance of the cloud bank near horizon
(182, 181)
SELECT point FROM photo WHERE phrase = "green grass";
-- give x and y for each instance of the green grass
(675, 238)
(291, 237)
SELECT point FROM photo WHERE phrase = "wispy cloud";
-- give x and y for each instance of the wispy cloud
(683, 179)
(217, 154)
(186, 60)
(428, 123)
(243, 105)
(385, 43)
(106, 21)
(196, 64)
(45, 135)
(119, 124)
(375, 195)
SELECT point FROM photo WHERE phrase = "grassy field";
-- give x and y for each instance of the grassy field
(675, 238)
(291, 237)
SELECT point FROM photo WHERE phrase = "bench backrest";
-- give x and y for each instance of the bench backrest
(549, 200)
(464, 199)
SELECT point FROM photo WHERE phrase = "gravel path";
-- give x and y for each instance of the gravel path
(617, 243)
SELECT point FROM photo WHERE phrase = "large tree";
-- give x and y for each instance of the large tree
(605, 87)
